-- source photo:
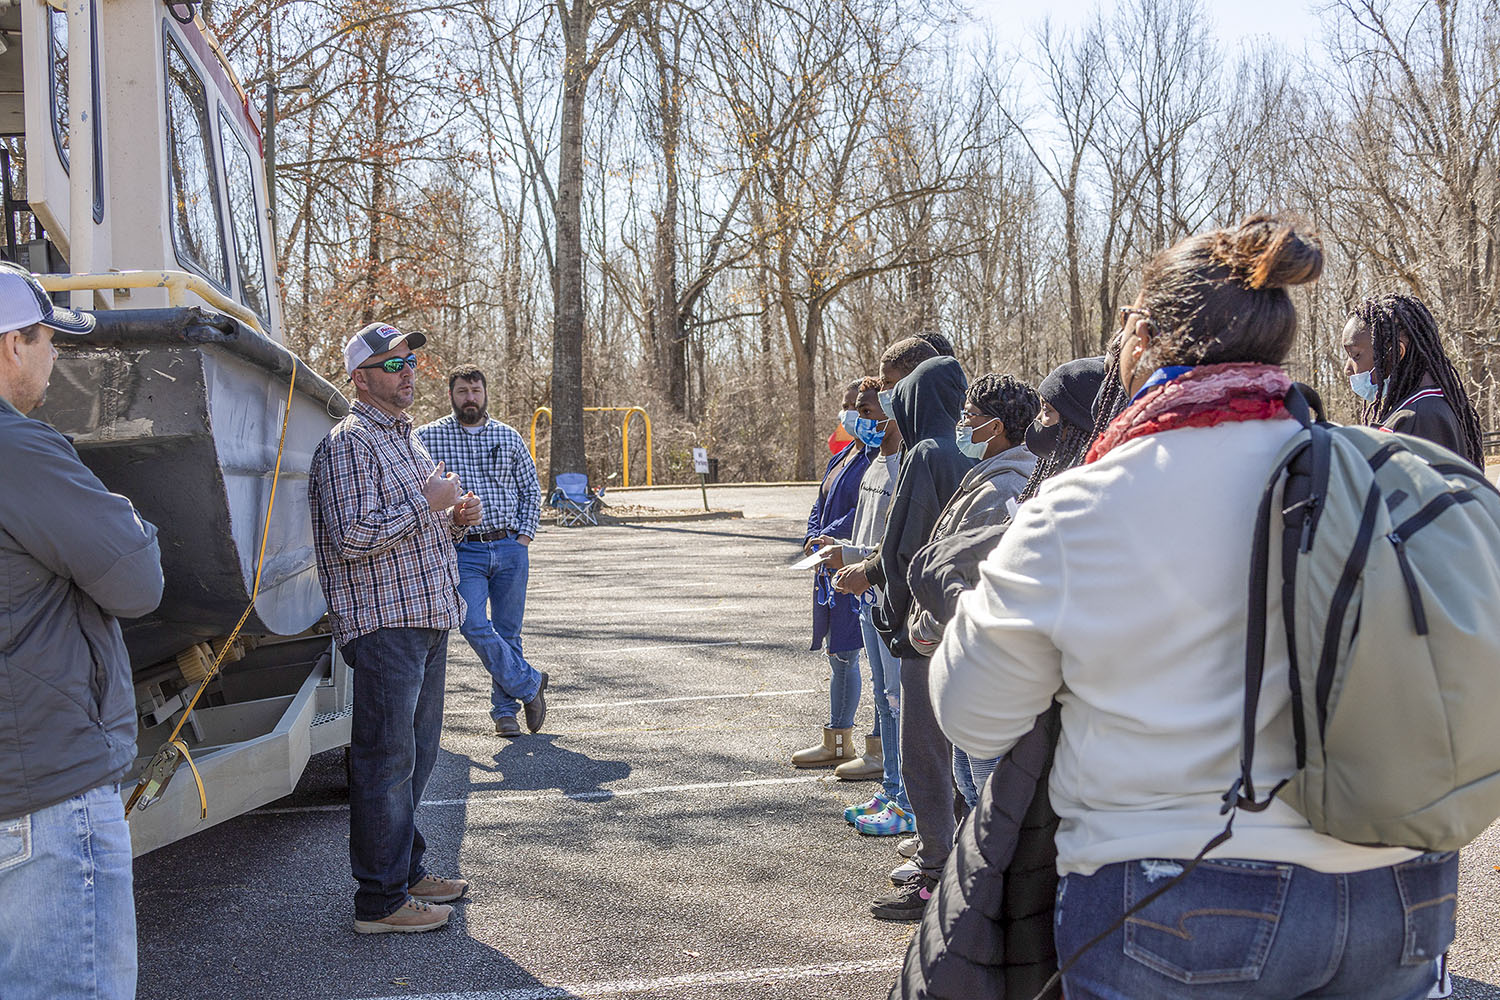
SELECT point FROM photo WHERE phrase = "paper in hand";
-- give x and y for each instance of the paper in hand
(810, 562)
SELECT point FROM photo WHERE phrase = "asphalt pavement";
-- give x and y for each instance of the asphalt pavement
(652, 841)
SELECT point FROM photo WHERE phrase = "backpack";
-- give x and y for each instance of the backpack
(1388, 549)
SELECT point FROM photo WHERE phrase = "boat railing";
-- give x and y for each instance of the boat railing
(177, 283)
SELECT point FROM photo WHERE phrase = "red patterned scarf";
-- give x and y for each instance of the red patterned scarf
(1205, 396)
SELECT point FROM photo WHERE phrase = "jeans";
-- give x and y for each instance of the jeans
(493, 575)
(885, 680)
(398, 716)
(67, 928)
(843, 689)
(1258, 929)
(970, 774)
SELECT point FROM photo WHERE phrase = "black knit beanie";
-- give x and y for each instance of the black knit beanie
(1071, 389)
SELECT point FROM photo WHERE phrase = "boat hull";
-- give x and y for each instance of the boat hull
(180, 410)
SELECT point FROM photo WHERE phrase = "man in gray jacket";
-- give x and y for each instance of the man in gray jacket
(73, 558)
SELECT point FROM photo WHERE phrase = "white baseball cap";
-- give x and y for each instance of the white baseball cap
(377, 338)
(24, 302)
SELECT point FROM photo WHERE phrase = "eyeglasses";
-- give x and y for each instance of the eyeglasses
(394, 365)
(1126, 312)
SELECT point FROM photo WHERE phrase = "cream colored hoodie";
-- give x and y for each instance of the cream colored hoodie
(1121, 590)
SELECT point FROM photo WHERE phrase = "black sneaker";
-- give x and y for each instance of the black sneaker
(905, 903)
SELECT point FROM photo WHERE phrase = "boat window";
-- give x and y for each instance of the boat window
(244, 219)
(57, 34)
(197, 230)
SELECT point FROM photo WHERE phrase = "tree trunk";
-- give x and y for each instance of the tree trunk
(378, 181)
(567, 451)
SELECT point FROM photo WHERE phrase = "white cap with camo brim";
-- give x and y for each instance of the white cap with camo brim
(24, 303)
(377, 338)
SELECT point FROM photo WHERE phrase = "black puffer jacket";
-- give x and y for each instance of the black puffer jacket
(987, 932)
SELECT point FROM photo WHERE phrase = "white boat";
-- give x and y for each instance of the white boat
(177, 399)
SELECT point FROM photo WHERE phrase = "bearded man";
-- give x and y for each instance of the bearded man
(493, 558)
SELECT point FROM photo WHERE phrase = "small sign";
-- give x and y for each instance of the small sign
(700, 461)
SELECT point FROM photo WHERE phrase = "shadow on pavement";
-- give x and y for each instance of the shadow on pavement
(536, 763)
(1473, 989)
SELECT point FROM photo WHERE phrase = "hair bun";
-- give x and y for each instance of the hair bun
(1264, 252)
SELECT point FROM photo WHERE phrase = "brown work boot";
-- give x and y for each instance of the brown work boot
(507, 726)
(414, 917)
(436, 889)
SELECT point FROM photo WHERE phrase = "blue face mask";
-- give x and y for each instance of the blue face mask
(966, 442)
(1364, 386)
(887, 398)
(869, 431)
(847, 420)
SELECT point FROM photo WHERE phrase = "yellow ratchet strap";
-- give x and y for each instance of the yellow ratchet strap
(153, 781)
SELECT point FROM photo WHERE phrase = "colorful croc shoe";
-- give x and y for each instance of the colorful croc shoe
(889, 822)
(869, 808)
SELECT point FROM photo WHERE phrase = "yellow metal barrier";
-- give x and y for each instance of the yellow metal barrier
(629, 412)
(177, 284)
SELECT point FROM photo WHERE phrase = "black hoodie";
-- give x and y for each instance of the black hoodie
(926, 406)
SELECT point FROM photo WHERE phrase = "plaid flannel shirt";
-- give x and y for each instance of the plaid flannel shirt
(495, 464)
(385, 559)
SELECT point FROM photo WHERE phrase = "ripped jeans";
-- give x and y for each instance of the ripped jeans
(885, 680)
(1258, 929)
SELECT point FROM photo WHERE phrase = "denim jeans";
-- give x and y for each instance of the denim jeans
(885, 680)
(843, 689)
(970, 774)
(1258, 929)
(492, 581)
(398, 716)
(67, 928)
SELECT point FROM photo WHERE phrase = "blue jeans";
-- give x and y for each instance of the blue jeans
(398, 716)
(885, 679)
(1258, 929)
(492, 581)
(843, 689)
(970, 774)
(67, 928)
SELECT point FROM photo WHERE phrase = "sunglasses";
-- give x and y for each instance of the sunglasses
(1126, 312)
(394, 365)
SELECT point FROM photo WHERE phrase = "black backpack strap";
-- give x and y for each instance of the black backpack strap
(1243, 791)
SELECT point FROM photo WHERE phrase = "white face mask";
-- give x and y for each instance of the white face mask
(1364, 385)
(966, 442)
(847, 420)
(887, 397)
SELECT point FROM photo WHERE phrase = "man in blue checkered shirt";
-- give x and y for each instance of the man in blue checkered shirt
(493, 562)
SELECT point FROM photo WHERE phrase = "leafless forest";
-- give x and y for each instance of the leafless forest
(722, 209)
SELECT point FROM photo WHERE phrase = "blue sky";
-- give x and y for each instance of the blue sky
(1290, 22)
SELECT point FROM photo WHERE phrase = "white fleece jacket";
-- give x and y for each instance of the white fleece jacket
(1121, 590)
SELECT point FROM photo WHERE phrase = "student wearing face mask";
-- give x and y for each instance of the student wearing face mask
(882, 757)
(835, 615)
(1397, 366)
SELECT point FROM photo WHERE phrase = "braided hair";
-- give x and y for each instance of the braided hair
(1392, 320)
(1008, 398)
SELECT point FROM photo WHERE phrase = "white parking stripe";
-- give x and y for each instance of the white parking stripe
(619, 615)
(595, 795)
(648, 649)
(729, 977)
(553, 706)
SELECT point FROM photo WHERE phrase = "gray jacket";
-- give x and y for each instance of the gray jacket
(73, 558)
(980, 501)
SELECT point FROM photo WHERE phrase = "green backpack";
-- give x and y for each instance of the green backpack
(1388, 556)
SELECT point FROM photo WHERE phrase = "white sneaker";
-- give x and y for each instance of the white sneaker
(1444, 987)
(908, 848)
(905, 873)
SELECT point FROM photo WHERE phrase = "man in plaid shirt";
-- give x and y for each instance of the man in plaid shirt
(384, 520)
(493, 561)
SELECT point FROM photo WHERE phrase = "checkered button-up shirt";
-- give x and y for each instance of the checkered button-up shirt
(495, 464)
(385, 559)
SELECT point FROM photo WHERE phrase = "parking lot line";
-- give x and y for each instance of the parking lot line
(561, 706)
(592, 795)
(729, 977)
(650, 649)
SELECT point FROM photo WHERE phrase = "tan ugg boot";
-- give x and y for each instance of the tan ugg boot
(837, 747)
(870, 767)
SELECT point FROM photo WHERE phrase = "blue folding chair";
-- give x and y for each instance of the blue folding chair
(574, 501)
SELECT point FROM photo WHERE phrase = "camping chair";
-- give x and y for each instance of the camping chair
(574, 501)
